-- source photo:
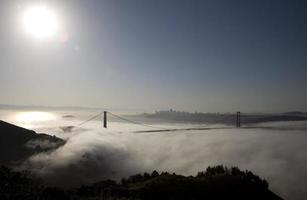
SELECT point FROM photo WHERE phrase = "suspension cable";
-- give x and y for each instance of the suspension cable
(90, 119)
(135, 122)
(122, 118)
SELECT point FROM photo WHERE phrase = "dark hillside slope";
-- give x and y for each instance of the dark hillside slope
(17, 144)
(215, 183)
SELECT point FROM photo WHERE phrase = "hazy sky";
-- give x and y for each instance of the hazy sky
(206, 55)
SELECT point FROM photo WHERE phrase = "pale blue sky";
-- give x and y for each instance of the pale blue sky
(205, 55)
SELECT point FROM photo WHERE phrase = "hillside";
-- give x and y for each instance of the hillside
(17, 144)
(215, 183)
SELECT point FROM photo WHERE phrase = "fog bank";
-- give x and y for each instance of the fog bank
(92, 153)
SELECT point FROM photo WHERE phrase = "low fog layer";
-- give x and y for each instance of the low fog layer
(93, 153)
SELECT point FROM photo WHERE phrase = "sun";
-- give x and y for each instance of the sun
(40, 21)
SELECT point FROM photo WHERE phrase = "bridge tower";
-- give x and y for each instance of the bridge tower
(238, 119)
(105, 119)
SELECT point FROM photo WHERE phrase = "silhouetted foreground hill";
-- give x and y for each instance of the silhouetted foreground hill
(17, 144)
(215, 183)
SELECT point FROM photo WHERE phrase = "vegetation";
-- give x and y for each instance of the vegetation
(215, 183)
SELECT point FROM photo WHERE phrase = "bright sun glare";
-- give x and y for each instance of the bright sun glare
(40, 22)
(29, 117)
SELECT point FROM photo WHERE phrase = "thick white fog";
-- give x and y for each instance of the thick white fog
(92, 153)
